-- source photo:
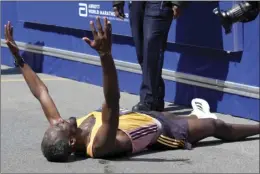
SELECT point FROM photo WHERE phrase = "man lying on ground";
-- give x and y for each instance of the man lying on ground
(113, 131)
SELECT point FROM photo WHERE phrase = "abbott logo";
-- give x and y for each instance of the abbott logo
(83, 9)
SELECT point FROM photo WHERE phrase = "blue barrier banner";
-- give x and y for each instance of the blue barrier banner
(72, 14)
(197, 26)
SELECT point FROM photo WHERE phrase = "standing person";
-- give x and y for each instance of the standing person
(150, 22)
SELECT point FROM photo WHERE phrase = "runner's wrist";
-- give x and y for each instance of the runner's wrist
(18, 60)
(104, 54)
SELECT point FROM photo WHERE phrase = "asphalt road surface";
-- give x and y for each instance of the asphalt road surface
(23, 125)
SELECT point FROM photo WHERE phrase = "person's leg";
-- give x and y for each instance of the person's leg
(203, 128)
(157, 22)
(136, 17)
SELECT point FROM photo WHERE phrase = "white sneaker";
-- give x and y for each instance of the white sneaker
(201, 109)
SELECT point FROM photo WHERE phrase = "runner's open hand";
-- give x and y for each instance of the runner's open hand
(9, 40)
(102, 37)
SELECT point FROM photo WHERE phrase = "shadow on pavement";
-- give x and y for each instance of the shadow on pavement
(218, 142)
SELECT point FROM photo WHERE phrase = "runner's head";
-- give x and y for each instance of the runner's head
(59, 140)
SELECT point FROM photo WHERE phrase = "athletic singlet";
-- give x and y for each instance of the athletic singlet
(141, 129)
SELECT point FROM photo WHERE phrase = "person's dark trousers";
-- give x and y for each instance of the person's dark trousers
(150, 22)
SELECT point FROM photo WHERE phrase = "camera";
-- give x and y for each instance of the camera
(242, 12)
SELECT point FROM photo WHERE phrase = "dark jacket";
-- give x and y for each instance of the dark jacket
(180, 4)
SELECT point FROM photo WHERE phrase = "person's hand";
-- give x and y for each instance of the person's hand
(176, 11)
(102, 39)
(119, 11)
(9, 40)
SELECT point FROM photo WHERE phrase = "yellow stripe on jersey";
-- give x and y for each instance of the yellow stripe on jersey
(172, 145)
(170, 142)
(172, 139)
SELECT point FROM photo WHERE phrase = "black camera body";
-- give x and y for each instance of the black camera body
(243, 12)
